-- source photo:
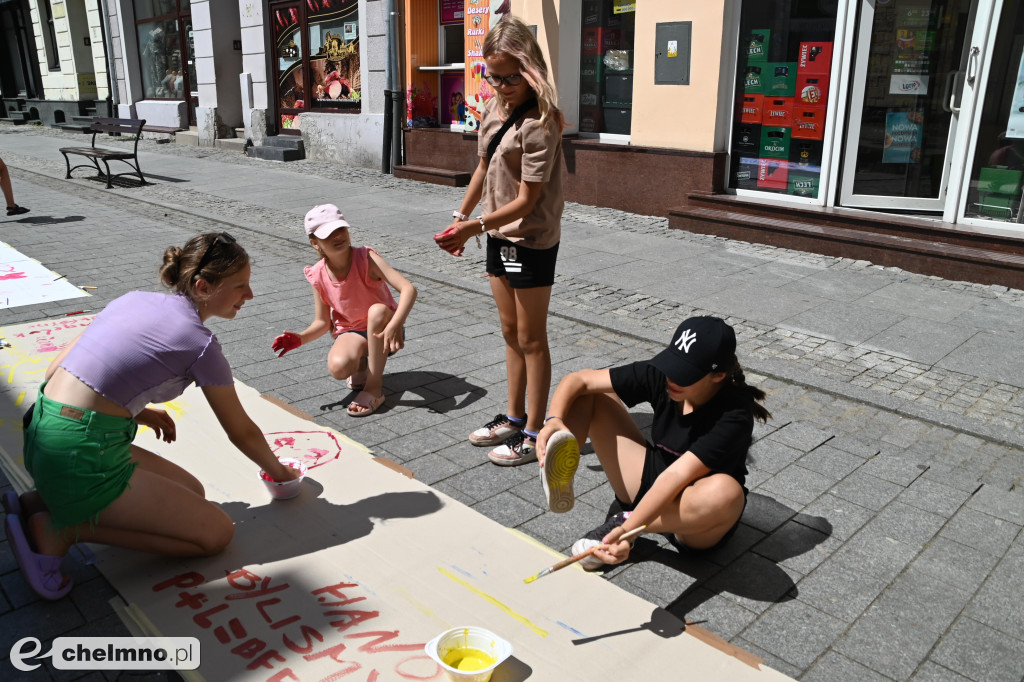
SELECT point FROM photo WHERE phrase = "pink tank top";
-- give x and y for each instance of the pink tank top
(351, 298)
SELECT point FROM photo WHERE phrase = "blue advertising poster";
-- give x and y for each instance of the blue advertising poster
(902, 137)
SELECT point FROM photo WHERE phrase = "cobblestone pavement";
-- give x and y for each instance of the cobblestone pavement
(882, 539)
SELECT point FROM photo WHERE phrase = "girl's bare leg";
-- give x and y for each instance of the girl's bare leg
(346, 355)
(377, 319)
(532, 334)
(515, 360)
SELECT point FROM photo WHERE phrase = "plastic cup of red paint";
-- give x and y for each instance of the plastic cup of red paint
(285, 490)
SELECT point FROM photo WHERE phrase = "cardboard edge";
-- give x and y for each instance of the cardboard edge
(725, 647)
(286, 407)
(394, 466)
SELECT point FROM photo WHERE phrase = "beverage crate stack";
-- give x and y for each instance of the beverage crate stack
(778, 142)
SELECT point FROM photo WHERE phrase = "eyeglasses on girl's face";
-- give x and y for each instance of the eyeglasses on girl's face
(511, 80)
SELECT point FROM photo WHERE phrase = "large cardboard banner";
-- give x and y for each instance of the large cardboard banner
(350, 579)
(25, 281)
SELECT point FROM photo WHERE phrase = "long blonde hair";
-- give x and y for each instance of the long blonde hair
(513, 38)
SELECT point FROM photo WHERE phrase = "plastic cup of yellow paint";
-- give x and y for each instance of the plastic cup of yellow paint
(285, 490)
(468, 653)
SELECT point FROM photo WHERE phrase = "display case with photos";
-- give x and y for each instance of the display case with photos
(782, 89)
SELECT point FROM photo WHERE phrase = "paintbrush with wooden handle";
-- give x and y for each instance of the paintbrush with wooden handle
(573, 559)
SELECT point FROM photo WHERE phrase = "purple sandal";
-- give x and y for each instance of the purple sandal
(41, 571)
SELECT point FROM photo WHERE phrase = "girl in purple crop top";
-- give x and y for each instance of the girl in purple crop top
(92, 483)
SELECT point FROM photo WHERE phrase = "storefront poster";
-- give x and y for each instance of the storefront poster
(1015, 123)
(453, 98)
(914, 41)
(902, 142)
(479, 20)
(906, 84)
(623, 6)
(452, 11)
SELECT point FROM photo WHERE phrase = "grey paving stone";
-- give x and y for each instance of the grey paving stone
(992, 354)
(833, 666)
(907, 524)
(508, 510)
(981, 653)
(876, 554)
(1008, 506)
(980, 531)
(933, 497)
(892, 646)
(840, 590)
(801, 436)
(831, 461)
(771, 455)
(796, 483)
(794, 632)
(997, 603)
(919, 598)
(432, 468)
(770, 659)
(933, 672)
(955, 564)
(765, 513)
(844, 518)
(755, 582)
(839, 320)
(866, 490)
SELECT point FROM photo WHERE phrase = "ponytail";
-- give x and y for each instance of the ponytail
(738, 380)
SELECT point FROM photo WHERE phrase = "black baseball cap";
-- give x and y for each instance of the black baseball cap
(700, 346)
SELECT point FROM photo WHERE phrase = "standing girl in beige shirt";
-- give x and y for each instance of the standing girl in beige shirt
(519, 179)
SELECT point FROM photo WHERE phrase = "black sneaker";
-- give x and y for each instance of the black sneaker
(593, 538)
(517, 449)
(496, 431)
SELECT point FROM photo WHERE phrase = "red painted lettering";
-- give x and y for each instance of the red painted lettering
(193, 601)
(381, 636)
(260, 606)
(203, 620)
(265, 659)
(349, 618)
(237, 629)
(309, 634)
(249, 648)
(249, 582)
(191, 579)
(283, 675)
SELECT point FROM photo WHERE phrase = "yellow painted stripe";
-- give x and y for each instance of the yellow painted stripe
(486, 597)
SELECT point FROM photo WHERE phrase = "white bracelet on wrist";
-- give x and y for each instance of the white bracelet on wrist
(459, 216)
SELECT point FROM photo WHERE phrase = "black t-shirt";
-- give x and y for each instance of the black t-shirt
(718, 433)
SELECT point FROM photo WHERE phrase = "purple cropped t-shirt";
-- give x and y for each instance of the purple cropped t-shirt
(147, 347)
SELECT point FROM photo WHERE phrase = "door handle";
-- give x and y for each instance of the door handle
(972, 64)
(949, 93)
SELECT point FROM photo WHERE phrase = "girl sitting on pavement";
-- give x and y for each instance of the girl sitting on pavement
(351, 299)
(519, 178)
(92, 483)
(688, 482)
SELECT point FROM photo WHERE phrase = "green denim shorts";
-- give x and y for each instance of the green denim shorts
(80, 460)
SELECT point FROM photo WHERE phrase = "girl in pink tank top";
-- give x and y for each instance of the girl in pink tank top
(351, 299)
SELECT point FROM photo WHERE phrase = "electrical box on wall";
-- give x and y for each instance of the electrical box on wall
(672, 53)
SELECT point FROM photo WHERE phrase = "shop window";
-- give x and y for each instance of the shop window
(50, 38)
(997, 174)
(782, 91)
(163, 28)
(606, 66)
(317, 58)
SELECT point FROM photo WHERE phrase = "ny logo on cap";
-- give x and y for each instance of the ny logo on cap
(684, 342)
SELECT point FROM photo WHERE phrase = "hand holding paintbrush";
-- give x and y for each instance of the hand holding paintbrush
(573, 559)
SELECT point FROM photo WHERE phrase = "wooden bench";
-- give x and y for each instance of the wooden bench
(112, 126)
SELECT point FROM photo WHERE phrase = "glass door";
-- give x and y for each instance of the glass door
(993, 196)
(289, 76)
(910, 69)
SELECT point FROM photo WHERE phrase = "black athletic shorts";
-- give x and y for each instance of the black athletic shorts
(525, 268)
(655, 462)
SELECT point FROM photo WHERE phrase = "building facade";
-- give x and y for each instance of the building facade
(891, 130)
(54, 64)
